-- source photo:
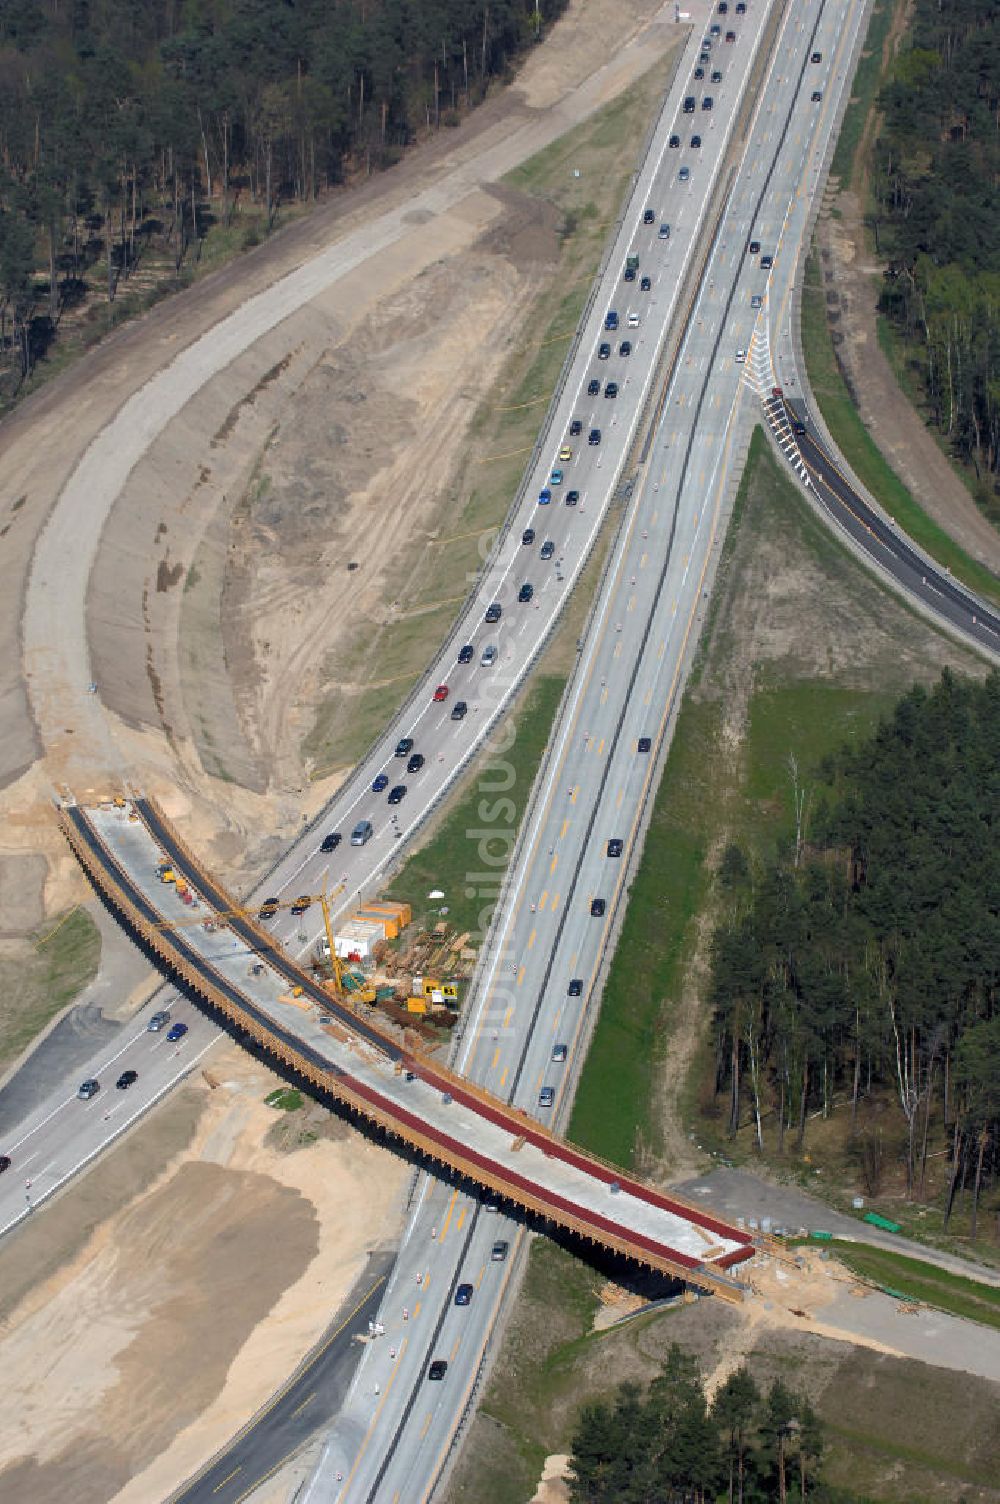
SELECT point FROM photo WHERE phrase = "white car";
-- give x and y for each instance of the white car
(741, 356)
(633, 321)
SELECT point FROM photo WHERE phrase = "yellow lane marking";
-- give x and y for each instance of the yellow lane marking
(507, 1015)
(555, 903)
(565, 827)
(226, 1480)
(448, 1215)
(520, 976)
(573, 793)
(461, 1219)
(503, 1078)
(531, 938)
(378, 1411)
(304, 1403)
(427, 1424)
(600, 746)
(543, 900)
(554, 865)
(496, 1059)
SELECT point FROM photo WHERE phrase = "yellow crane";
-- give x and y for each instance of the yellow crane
(361, 994)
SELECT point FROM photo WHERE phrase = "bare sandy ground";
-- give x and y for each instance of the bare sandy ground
(206, 593)
(134, 1360)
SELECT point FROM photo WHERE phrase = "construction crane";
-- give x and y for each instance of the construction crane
(364, 993)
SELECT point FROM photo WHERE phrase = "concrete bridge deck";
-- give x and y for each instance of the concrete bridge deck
(238, 968)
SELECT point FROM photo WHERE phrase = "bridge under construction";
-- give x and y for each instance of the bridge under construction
(229, 960)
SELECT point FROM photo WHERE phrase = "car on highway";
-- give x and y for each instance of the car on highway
(699, 73)
(404, 746)
(593, 387)
(459, 710)
(397, 793)
(633, 321)
(415, 763)
(625, 348)
(611, 390)
(544, 496)
(730, 36)
(126, 1079)
(799, 430)
(629, 274)
(594, 436)
(716, 76)
(548, 549)
(611, 319)
(576, 427)
(715, 30)
(597, 907)
(663, 233)
(815, 96)
(685, 174)
(615, 846)
(161, 1018)
(525, 593)
(767, 262)
(555, 479)
(723, 7)
(363, 831)
(648, 216)
(572, 497)
(88, 1089)
(604, 351)
(440, 694)
(175, 1032)
(689, 104)
(438, 1368)
(304, 900)
(741, 8)
(489, 656)
(500, 1250)
(565, 453)
(493, 613)
(707, 102)
(546, 1096)
(644, 744)
(645, 285)
(674, 141)
(817, 57)
(463, 1294)
(467, 652)
(528, 537)
(575, 988)
(559, 1053)
(4, 1162)
(696, 143)
(754, 248)
(741, 355)
(756, 301)
(330, 841)
(380, 782)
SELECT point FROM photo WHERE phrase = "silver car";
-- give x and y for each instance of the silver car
(159, 1021)
(489, 657)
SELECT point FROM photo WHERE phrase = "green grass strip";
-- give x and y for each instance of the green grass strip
(913, 1279)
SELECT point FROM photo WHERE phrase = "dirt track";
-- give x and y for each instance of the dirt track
(197, 568)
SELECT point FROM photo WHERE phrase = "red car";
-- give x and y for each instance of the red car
(441, 693)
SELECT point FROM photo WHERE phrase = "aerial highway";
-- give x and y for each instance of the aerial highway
(446, 744)
(537, 986)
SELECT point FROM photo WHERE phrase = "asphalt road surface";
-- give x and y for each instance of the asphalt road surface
(529, 1019)
(309, 1400)
(445, 743)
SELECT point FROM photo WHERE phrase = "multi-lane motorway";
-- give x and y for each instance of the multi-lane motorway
(533, 1002)
(536, 985)
(59, 1134)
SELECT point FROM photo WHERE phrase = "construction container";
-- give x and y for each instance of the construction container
(416, 1005)
(389, 922)
(402, 911)
(357, 937)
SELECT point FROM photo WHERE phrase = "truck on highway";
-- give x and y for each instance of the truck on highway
(632, 262)
(611, 319)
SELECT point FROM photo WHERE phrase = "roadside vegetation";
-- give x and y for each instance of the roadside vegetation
(41, 974)
(919, 1281)
(802, 652)
(145, 143)
(566, 219)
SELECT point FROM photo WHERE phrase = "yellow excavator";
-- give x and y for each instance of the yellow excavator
(349, 986)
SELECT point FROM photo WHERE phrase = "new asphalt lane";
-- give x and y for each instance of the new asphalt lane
(398, 1427)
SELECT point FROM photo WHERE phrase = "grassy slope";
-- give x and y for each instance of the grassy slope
(505, 427)
(778, 560)
(37, 982)
(831, 391)
(936, 1287)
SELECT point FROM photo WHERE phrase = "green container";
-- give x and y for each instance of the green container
(882, 1222)
(822, 1237)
